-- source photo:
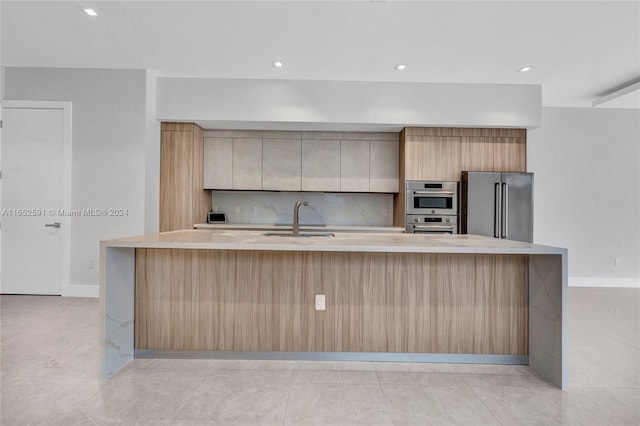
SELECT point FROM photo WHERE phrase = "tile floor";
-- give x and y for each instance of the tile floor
(49, 375)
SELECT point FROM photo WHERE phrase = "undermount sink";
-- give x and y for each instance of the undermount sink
(301, 234)
(315, 225)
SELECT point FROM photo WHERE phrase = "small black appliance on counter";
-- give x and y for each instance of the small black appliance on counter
(216, 217)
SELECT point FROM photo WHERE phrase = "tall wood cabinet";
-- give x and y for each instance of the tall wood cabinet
(183, 202)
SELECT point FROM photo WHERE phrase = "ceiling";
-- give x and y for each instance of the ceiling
(580, 50)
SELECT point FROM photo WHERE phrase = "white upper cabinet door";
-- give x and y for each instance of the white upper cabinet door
(247, 163)
(281, 164)
(218, 154)
(354, 166)
(320, 165)
(384, 166)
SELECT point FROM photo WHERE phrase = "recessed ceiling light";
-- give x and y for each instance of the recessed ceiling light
(89, 11)
(526, 68)
(401, 67)
(277, 64)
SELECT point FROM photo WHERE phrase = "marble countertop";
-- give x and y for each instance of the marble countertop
(356, 242)
(303, 227)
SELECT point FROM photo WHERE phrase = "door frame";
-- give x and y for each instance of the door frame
(66, 289)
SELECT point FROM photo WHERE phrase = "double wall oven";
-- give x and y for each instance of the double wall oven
(432, 207)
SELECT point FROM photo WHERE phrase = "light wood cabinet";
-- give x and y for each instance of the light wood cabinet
(383, 166)
(183, 202)
(354, 166)
(320, 165)
(218, 157)
(247, 163)
(281, 164)
(242, 300)
(434, 153)
(442, 153)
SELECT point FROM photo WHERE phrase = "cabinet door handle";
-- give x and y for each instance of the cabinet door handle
(497, 223)
(505, 210)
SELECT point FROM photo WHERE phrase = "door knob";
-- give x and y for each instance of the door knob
(53, 225)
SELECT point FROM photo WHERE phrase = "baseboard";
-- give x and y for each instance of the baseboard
(604, 282)
(81, 290)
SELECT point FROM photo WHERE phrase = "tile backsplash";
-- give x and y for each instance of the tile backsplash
(324, 208)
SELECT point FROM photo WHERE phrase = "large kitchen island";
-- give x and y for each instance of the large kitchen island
(388, 297)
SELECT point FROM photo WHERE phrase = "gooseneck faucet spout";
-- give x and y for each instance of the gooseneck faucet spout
(296, 216)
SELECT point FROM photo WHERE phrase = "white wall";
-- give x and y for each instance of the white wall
(587, 191)
(109, 153)
(341, 105)
(152, 170)
(1, 97)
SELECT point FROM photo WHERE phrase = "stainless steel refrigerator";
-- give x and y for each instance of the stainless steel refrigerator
(497, 204)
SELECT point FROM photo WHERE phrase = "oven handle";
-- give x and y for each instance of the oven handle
(433, 227)
(432, 192)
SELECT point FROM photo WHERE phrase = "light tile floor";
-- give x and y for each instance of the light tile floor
(49, 375)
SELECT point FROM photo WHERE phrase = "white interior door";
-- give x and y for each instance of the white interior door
(34, 232)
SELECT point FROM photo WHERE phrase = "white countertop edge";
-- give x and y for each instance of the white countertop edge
(370, 249)
(320, 244)
(259, 226)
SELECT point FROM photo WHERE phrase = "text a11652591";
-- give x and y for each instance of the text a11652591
(50, 212)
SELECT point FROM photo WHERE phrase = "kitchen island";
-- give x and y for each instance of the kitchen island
(389, 297)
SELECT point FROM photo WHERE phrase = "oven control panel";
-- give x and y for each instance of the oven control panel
(432, 224)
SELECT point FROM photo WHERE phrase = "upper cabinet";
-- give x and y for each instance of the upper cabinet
(218, 154)
(232, 163)
(320, 165)
(383, 166)
(441, 153)
(247, 163)
(301, 161)
(354, 166)
(281, 164)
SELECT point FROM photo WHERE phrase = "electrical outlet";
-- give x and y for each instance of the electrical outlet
(385, 212)
(254, 209)
(320, 302)
(92, 264)
(617, 261)
(237, 209)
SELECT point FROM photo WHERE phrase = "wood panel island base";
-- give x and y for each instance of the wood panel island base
(408, 297)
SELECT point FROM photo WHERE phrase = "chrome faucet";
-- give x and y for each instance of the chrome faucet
(296, 216)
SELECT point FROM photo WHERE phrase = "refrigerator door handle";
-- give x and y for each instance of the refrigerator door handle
(505, 210)
(497, 223)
